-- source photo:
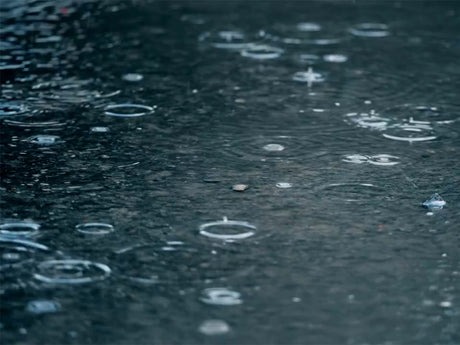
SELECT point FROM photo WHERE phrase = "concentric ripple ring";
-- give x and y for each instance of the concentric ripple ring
(78, 266)
(115, 110)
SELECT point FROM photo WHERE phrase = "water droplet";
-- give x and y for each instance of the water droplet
(262, 52)
(214, 327)
(221, 296)
(132, 77)
(308, 77)
(227, 230)
(43, 307)
(95, 228)
(128, 110)
(434, 202)
(71, 272)
(370, 30)
(19, 228)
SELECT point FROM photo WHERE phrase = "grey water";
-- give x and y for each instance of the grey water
(124, 126)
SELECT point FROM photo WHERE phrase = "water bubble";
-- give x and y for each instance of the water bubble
(19, 228)
(308, 77)
(308, 27)
(221, 296)
(283, 185)
(214, 327)
(128, 110)
(45, 139)
(337, 58)
(262, 52)
(227, 39)
(273, 147)
(370, 30)
(95, 228)
(71, 272)
(43, 307)
(227, 230)
(100, 129)
(132, 77)
(434, 202)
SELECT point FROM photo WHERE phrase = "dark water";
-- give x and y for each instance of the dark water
(340, 129)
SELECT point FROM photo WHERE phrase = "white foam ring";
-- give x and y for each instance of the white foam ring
(78, 269)
(248, 229)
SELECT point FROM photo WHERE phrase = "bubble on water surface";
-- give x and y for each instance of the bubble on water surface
(284, 185)
(221, 296)
(43, 307)
(19, 228)
(262, 52)
(434, 202)
(128, 110)
(225, 39)
(273, 147)
(95, 228)
(71, 272)
(214, 327)
(336, 58)
(45, 139)
(227, 230)
(132, 77)
(370, 30)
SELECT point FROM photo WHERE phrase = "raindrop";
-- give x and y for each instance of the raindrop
(227, 39)
(19, 228)
(214, 327)
(95, 228)
(434, 202)
(43, 307)
(128, 110)
(132, 77)
(221, 296)
(71, 272)
(308, 77)
(370, 30)
(45, 139)
(262, 52)
(227, 230)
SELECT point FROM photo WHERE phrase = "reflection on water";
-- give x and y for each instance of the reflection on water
(125, 124)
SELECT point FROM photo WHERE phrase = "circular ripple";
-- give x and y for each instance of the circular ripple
(370, 30)
(16, 252)
(228, 230)
(19, 228)
(221, 296)
(269, 148)
(12, 109)
(284, 185)
(411, 131)
(370, 120)
(383, 160)
(156, 263)
(440, 115)
(71, 272)
(356, 159)
(128, 110)
(95, 228)
(45, 139)
(350, 192)
(262, 52)
(226, 39)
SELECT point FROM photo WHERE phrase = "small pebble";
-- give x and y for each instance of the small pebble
(240, 187)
